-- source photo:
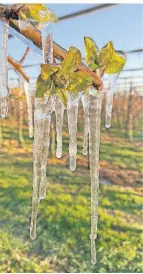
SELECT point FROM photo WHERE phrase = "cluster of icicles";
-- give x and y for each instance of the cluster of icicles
(44, 107)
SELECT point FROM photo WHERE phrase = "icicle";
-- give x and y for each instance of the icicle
(109, 98)
(47, 42)
(29, 107)
(42, 119)
(95, 101)
(85, 102)
(25, 85)
(72, 112)
(3, 70)
(48, 108)
(59, 111)
(47, 50)
(37, 156)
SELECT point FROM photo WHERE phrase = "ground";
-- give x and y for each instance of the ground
(63, 228)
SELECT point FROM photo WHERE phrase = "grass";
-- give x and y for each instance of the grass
(63, 229)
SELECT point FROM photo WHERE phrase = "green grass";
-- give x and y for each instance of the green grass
(63, 229)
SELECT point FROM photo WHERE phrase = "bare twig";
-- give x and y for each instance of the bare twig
(18, 67)
(24, 56)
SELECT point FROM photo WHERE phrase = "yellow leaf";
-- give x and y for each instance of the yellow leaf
(71, 61)
(116, 63)
(47, 70)
(106, 54)
(37, 12)
(79, 81)
(92, 53)
(62, 95)
(42, 86)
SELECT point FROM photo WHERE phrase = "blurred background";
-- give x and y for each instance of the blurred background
(63, 228)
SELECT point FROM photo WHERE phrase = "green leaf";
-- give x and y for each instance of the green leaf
(53, 89)
(59, 81)
(62, 95)
(37, 12)
(71, 61)
(116, 63)
(106, 54)
(42, 86)
(92, 53)
(47, 70)
(79, 81)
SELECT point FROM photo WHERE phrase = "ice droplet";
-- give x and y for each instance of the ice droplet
(3, 69)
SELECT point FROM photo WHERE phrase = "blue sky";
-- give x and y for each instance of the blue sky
(123, 24)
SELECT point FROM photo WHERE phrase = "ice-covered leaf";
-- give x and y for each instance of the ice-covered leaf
(42, 86)
(92, 53)
(71, 61)
(79, 81)
(62, 95)
(106, 54)
(116, 63)
(37, 12)
(47, 70)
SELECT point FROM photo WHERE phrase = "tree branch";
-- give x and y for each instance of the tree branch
(24, 56)
(18, 67)
(35, 36)
(60, 53)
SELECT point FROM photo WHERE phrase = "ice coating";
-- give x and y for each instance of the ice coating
(47, 42)
(25, 40)
(72, 112)
(95, 101)
(85, 102)
(109, 99)
(3, 69)
(59, 111)
(22, 24)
